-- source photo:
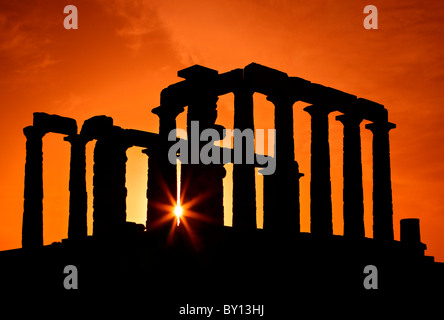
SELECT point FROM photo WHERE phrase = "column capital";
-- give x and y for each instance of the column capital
(318, 109)
(382, 188)
(349, 119)
(320, 184)
(168, 110)
(76, 138)
(380, 126)
(282, 99)
(33, 132)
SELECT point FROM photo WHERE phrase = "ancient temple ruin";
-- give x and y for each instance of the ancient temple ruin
(199, 92)
(164, 267)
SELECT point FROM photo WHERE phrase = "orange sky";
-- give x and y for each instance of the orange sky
(125, 52)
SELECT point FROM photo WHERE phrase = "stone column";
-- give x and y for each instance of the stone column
(281, 190)
(77, 188)
(167, 118)
(109, 184)
(352, 172)
(162, 183)
(32, 229)
(283, 123)
(411, 238)
(281, 201)
(202, 183)
(244, 185)
(161, 189)
(382, 185)
(320, 184)
(410, 233)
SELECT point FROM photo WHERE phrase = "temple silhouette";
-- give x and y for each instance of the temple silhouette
(220, 263)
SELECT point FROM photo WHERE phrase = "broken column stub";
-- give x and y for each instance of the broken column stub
(411, 237)
(410, 231)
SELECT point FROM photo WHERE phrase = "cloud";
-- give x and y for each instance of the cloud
(138, 21)
(24, 40)
(71, 102)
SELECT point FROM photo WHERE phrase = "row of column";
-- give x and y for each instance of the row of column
(32, 229)
(320, 184)
(279, 188)
(283, 186)
(109, 185)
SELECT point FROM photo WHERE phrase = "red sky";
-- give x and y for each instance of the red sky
(125, 52)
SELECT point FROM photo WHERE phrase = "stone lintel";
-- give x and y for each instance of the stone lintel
(349, 119)
(319, 94)
(263, 79)
(371, 110)
(140, 138)
(197, 72)
(377, 127)
(230, 81)
(96, 126)
(54, 123)
(315, 109)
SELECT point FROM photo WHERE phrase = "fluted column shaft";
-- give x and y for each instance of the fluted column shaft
(283, 123)
(382, 185)
(162, 182)
(282, 188)
(320, 184)
(352, 172)
(32, 229)
(109, 184)
(77, 188)
(202, 184)
(244, 185)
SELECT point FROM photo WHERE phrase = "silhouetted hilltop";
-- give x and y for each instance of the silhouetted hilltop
(177, 266)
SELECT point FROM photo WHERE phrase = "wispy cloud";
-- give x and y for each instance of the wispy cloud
(23, 44)
(138, 21)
